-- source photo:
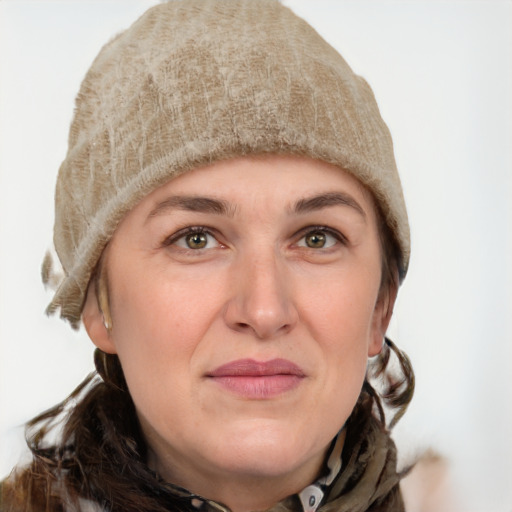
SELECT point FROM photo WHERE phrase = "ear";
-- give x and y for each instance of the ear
(94, 322)
(381, 317)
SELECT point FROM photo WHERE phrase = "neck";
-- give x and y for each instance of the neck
(241, 491)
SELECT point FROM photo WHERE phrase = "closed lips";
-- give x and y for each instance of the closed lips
(252, 368)
(256, 380)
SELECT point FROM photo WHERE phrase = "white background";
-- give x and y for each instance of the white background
(442, 74)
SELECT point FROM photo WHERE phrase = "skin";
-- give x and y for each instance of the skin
(279, 277)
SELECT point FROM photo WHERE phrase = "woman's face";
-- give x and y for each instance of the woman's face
(244, 300)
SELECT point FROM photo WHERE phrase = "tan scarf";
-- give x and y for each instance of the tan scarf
(369, 481)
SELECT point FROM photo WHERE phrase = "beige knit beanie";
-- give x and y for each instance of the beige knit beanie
(192, 82)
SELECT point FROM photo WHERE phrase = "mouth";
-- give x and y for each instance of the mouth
(258, 380)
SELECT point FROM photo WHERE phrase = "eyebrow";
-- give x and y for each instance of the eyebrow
(194, 204)
(326, 200)
(221, 207)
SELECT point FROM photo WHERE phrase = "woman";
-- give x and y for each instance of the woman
(233, 233)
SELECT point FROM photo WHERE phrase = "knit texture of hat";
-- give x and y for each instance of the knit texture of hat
(193, 82)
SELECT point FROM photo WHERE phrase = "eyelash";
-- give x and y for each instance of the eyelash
(325, 230)
(182, 233)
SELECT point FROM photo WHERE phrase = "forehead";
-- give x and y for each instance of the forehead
(267, 181)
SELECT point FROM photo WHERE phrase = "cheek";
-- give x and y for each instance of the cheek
(161, 321)
(339, 317)
(156, 333)
(341, 307)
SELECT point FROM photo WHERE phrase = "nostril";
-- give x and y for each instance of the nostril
(264, 311)
(260, 331)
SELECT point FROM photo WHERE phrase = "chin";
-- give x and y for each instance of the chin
(268, 451)
(265, 463)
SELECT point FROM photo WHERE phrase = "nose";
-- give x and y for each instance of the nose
(261, 302)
